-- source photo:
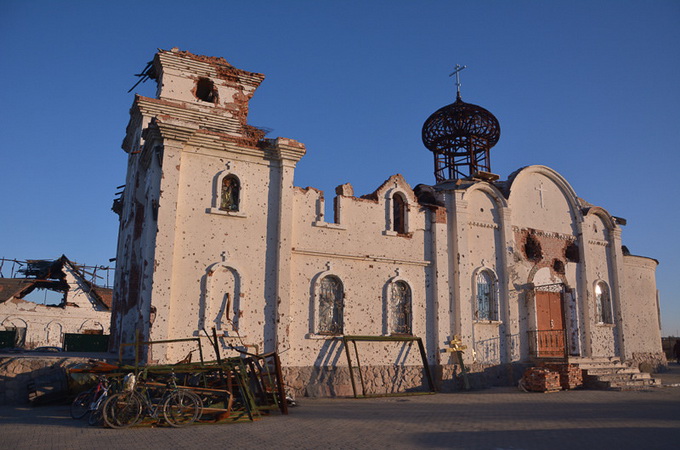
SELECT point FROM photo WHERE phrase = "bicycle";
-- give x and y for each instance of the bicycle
(91, 401)
(178, 406)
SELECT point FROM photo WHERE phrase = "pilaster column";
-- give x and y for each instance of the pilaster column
(615, 254)
(583, 284)
(509, 303)
(461, 320)
(161, 294)
(440, 293)
(286, 153)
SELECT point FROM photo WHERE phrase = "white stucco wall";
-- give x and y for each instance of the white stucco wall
(640, 309)
(263, 263)
(366, 255)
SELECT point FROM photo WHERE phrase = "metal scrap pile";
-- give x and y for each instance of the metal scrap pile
(226, 390)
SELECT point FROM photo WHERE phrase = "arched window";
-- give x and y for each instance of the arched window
(54, 334)
(91, 326)
(487, 296)
(399, 214)
(331, 303)
(401, 308)
(230, 193)
(604, 303)
(19, 327)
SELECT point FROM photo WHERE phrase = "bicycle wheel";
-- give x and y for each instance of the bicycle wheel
(182, 408)
(122, 410)
(97, 414)
(81, 405)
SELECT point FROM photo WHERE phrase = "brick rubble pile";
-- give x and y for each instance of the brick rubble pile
(571, 375)
(540, 379)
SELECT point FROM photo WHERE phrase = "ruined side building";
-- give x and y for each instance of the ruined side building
(83, 307)
(213, 233)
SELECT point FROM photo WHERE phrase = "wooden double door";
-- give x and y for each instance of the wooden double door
(550, 333)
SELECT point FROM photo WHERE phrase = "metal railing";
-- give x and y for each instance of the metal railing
(547, 343)
(490, 351)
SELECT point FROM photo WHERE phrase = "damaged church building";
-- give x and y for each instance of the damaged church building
(214, 233)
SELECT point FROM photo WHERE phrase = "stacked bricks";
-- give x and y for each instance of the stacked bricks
(540, 379)
(571, 375)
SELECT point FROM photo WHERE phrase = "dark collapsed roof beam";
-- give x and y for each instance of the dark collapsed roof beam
(144, 75)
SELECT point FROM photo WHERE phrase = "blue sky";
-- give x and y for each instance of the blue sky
(589, 88)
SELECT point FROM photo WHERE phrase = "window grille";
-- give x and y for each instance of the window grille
(330, 306)
(487, 296)
(401, 307)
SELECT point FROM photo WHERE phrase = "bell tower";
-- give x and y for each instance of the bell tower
(206, 199)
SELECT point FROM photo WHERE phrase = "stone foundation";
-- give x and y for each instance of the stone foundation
(649, 362)
(481, 376)
(44, 374)
(336, 382)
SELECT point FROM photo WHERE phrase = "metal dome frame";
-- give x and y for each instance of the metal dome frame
(460, 135)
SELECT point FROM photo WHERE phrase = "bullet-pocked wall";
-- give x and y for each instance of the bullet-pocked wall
(214, 234)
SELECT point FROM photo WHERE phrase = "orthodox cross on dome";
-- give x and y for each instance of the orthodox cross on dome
(456, 72)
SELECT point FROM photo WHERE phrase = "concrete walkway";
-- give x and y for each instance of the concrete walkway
(497, 418)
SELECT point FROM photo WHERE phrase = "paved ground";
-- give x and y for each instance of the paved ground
(497, 418)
